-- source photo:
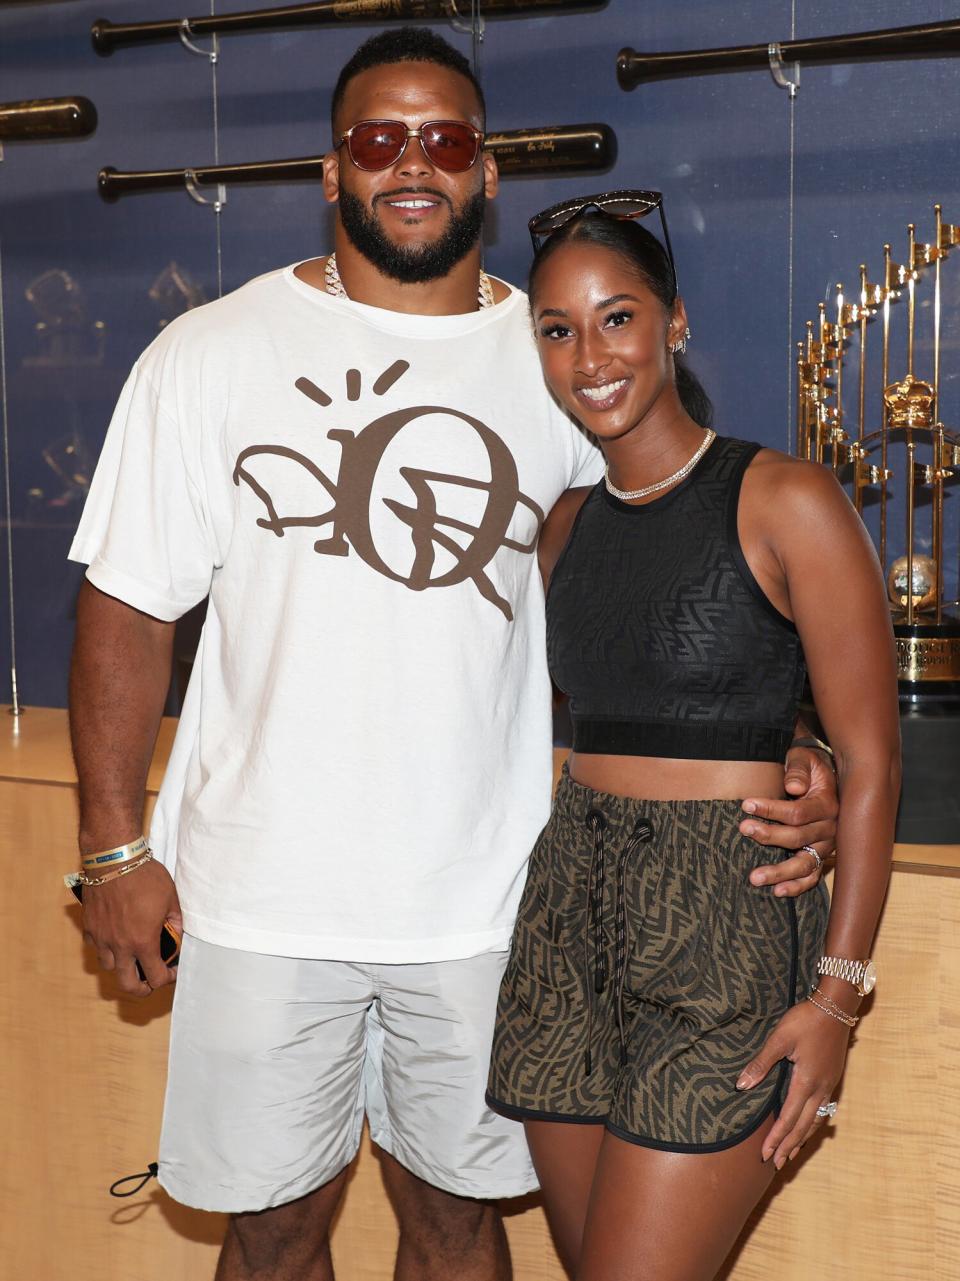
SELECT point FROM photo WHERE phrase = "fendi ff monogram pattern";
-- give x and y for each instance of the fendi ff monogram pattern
(659, 632)
(642, 1016)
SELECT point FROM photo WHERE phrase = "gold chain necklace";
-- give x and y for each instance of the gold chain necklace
(334, 285)
(625, 495)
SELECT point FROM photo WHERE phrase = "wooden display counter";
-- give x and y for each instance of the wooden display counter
(82, 1078)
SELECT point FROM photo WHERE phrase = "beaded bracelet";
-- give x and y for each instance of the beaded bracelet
(115, 873)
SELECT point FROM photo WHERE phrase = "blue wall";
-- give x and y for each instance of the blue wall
(874, 145)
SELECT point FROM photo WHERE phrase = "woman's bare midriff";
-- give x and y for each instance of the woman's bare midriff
(658, 778)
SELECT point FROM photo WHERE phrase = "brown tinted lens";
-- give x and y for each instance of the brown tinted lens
(627, 207)
(547, 222)
(450, 145)
(375, 144)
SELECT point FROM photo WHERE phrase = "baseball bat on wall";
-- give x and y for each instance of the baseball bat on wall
(548, 149)
(47, 119)
(108, 36)
(931, 40)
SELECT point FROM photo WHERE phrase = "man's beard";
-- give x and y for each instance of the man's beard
(412, 264)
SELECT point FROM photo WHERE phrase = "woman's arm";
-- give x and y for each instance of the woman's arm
(812, 554)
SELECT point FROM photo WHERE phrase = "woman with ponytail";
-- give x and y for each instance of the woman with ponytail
(669, 1032)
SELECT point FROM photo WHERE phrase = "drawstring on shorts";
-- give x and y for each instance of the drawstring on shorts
(138, 1180)
(642, 831)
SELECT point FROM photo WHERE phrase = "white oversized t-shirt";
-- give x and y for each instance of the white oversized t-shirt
(363, 759)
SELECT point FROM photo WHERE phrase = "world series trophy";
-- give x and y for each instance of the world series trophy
(899, 457)
(926, 624)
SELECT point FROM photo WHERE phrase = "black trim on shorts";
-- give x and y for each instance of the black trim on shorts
(660, 1145)
(792, 995)
(530, 1114)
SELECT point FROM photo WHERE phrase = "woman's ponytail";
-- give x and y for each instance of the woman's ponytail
(693, 398)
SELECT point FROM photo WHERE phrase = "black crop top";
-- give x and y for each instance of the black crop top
(661, 635)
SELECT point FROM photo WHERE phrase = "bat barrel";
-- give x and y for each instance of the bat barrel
(554, 148)
(47, 119)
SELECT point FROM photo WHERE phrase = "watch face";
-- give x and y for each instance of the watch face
(869, 980)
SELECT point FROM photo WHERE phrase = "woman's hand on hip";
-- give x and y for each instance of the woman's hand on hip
(816, 1044)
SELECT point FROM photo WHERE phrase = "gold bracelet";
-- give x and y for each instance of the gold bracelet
(83, 879)
(834, 1005)
(108, 859)
(851, 1020)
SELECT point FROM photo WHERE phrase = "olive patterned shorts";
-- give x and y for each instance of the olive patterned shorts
(646, 972)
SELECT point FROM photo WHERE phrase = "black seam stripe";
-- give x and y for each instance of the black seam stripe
(532, 1114)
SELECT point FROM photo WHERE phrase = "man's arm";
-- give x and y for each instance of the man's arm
(119, 678)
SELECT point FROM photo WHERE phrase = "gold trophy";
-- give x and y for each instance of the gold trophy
(911, 451)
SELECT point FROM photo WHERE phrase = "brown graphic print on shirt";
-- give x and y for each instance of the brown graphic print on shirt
(345, 503)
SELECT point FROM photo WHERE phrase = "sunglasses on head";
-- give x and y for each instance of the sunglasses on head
(452, 145)
(615, 204)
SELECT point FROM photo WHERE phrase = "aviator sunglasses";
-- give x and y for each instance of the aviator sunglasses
(452, 145)
(616, 204)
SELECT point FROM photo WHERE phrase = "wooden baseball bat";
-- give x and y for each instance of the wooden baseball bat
(108, 36)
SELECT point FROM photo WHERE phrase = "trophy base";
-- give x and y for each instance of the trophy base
(930, 800)
(928, 660)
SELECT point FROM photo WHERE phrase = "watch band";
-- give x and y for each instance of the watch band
(861, 974)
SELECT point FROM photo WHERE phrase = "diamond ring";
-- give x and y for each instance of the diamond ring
(817, 860)
(827, 1110)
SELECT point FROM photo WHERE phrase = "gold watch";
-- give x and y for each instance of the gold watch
(862, 974)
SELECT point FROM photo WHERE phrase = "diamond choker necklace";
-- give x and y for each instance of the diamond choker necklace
(334, 285)
(625, 495)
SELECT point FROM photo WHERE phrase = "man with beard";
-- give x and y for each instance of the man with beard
(353, 456)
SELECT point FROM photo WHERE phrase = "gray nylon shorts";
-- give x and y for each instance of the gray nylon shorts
(646, 972)
(276, 1061)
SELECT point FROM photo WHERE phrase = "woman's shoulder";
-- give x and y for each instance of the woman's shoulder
(788, 486)
(773, 467)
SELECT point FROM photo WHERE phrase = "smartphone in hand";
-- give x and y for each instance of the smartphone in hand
(169, 939)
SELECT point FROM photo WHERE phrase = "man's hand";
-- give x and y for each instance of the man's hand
(123, 920)
(118, 683)
(809, 819)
